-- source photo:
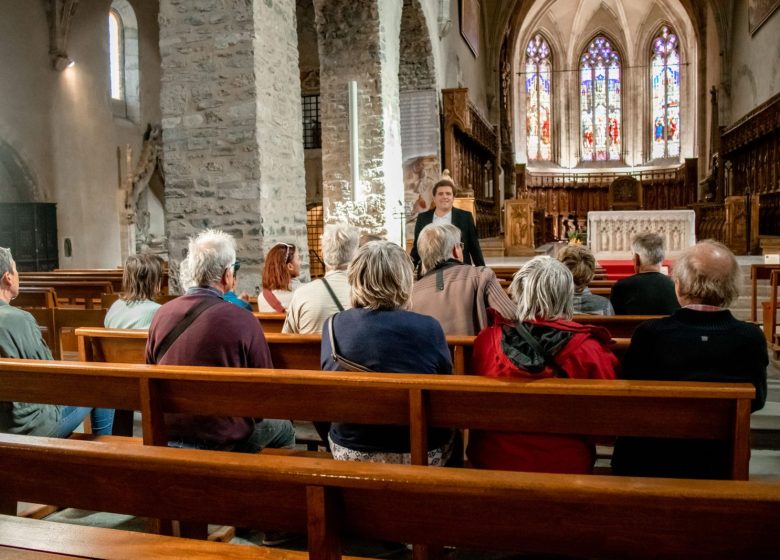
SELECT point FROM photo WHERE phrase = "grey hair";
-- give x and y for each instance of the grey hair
(210, 253)
(6, 261)
(339, 243)
(650, 247)
(436, 243)
(708, 273)
(543, 289)
(381, 276)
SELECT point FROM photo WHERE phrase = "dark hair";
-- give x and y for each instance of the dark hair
(276, 275)
(142, 278)
(581, 262)
(445, 181)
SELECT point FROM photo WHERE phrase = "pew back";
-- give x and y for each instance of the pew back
(619, 326)
(35, 296)
(271, 322)
(716, 411)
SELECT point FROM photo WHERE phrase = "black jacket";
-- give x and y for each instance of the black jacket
(472, 254)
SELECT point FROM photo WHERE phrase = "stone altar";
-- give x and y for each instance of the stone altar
(610, 233)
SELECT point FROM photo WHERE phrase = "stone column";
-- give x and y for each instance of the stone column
(360, 41)
(231, 116)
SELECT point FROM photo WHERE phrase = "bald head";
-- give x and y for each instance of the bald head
(708, 274)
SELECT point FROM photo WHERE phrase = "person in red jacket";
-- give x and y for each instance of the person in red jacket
(542, 342)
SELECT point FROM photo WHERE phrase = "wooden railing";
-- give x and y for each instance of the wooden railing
(471, 155)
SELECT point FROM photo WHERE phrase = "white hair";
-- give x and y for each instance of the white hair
(708, 273)
(210, 253)
(6, 261)
(436, 243)
(339, 243)
(543, 289)
(650, 247)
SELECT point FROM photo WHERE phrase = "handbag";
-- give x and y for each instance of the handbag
(348, 365)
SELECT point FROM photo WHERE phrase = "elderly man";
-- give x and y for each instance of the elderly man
(445, 213)
(20, 337)
(456, 294)
(314, 302)
(201, 329)
(700, 342)
(648, 291)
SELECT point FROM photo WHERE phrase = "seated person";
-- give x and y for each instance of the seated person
(141, 283)
(544, 342)
(648, 291)
(582, 264)
(379, 335)
(282, 266)
(231, 297)
(700, 342)
(314, 302)
(20, 337)
(458, 295)
(216, 334)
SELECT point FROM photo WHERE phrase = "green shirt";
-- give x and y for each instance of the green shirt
(20, 337)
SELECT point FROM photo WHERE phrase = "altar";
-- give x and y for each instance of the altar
(610, 233)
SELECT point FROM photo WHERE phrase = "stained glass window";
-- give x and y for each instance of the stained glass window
(665, 94)
(538, 91)
(600, 116)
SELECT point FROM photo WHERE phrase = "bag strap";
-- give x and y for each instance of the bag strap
(273, 301)
(349, 365)
(189, 317)
(332, 296)
(533, 343)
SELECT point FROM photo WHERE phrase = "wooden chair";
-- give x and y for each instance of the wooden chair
(604, 517)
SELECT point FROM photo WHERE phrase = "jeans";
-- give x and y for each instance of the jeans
(267, 433)
(72, 416)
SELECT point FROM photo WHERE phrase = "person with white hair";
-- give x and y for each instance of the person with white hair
(648, 291)
(200, 328)
(542, 342)
(378, 334)
(20, 337)
(458, 295)
(314, 302)
(702, 341)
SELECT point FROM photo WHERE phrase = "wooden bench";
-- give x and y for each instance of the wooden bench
(72, 292)
(107, 300)
(35, 296)
(55, 320)
(619, 326)
(101, 275)
(271, 322)
(716, 411)
(593, 516)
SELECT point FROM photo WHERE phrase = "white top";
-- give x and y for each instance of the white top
(130, 314)
(312, 304)
(284, 297)
(446, 219)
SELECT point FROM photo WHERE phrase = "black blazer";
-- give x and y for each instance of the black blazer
(464, 221)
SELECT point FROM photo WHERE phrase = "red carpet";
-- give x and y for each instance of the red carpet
(617, 269)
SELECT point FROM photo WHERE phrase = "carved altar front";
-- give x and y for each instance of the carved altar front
(610, 233)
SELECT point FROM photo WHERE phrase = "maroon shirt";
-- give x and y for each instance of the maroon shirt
(222, 336)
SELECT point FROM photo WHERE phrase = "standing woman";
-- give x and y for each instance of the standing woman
(141, 283)
(282, 266)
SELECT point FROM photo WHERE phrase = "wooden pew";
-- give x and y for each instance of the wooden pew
(56, 319)
(35, 296)
(716, 411)
(72, 291)
(271, 322)
(107, 300)
(619, 326)
(603, 517)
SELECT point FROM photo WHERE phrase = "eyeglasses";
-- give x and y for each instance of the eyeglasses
(236, 265)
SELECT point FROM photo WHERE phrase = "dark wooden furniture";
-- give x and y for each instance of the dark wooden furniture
(604, 517)
(35, 296)
(759, 272)
(72, 292)
(30, 231)
(271, 322)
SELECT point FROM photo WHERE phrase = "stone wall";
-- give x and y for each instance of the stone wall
(232, 125)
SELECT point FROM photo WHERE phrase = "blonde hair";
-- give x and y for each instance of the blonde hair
(581, 262)
(142, 278)
(543, 289)
(381, 276)
(436, 243)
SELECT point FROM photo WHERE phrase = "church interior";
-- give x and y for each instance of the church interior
(129, 126)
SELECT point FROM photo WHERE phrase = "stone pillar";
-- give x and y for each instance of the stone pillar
(231, 116)
(360, 41)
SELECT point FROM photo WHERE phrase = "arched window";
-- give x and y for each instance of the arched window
(116, 58)
(538, 92)
(600, 116)
(665, 94)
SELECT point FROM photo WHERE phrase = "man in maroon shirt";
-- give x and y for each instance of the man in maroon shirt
(220, 335)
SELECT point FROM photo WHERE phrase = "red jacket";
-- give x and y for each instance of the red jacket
(584, 354)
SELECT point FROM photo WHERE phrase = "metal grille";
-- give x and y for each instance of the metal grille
(314, 228)
(312, 130)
